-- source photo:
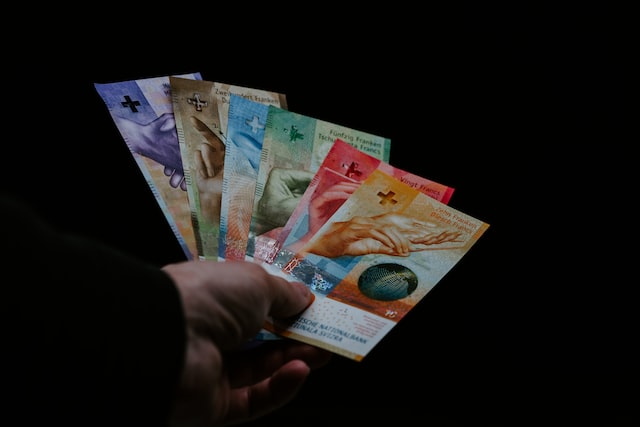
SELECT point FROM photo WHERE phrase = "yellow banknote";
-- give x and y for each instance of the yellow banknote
(377, 256)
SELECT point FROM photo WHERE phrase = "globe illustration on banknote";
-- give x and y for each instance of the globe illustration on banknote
(387, 282)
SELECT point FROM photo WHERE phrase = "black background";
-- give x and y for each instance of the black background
(504, 105)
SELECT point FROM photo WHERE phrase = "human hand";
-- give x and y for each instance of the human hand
(422, 234)
(157, 140)
(325, 204)
(282, 192)
(359, 236)
(390, 233)
(176, 178)
(433, 237)
(225, 305)
(321, 207)
(209, 165)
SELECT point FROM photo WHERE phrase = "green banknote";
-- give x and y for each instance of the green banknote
(294, 146)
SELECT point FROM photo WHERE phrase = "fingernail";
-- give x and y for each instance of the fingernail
(305, 290)
(312, 298)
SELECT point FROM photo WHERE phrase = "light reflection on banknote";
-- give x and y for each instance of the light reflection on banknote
(294, 146)
(143, 113)
(342, 171)
(201, 109)
(379, 254)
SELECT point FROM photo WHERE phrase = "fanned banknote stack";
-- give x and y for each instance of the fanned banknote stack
(240, 177)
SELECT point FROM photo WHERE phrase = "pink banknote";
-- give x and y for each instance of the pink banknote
(342, 171)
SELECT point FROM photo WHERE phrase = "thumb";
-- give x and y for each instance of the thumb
(289, 298)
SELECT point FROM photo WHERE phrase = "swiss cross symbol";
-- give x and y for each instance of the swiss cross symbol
(387, 198)
(352, 170)
(197, 102)
(129, 103)
(254, 124)
(293, 133)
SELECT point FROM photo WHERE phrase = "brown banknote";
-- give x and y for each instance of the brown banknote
(201, 109)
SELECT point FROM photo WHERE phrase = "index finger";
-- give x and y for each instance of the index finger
(208, 134)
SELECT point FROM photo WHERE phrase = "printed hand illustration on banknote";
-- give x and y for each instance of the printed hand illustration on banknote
(294, 144)
(143, 113)
(157, 140)
(321, 206)
(389, 234)
(209, 164)
(339, 176)
(373, 260)
(282, 192)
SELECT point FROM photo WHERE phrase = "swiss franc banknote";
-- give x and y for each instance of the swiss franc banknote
(342, 171)
(293, 148)
(265, 97)
(245, 134)
(379, 254)
(201, 109)
(143, 113)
